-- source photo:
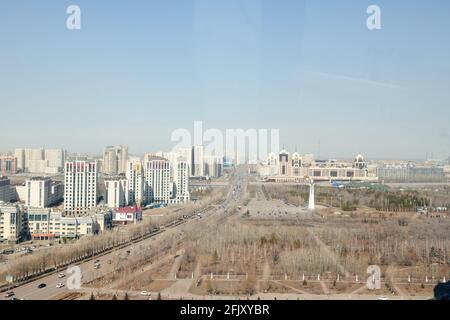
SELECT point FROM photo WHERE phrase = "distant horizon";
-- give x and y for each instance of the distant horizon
(141, 155)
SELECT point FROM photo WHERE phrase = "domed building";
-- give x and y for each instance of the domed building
(359, 162)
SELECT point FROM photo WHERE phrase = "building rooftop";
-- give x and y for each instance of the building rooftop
(151, 158)
(132, 209)
(39, 178)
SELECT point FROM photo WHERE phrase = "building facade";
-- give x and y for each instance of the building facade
(302, 168)
(13, 223)
(116, 192)
(197, 161)
(181, 183)
(135, 177)
(157, 183)
(48, 161)
(7, 192)
(410, 173)
(127, 215)
(39, 224)
(80, 193)
(8, 165)
(42, 192)
(115, 160)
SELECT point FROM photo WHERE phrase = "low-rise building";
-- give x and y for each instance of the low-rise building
(39, 224)
(302, 168)
(127, 215)
(72, 227)
(409, 172)
(44, 224)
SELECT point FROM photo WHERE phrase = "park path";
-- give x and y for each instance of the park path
(289, 287)
(176, 264)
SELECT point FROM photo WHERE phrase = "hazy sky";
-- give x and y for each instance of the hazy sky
(137, 70)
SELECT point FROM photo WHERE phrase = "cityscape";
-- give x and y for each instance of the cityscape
(53, 201)
(247, 151)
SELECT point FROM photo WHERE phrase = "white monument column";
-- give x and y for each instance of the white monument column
(311, 204)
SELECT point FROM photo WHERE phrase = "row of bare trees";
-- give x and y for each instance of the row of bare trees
(41, 261)
(389, 200)
(239, 247)
(57, 257)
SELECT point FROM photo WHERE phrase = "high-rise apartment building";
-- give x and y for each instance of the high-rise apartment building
(181, 181)
(116, 192)
(197, 161)
(54, 160)
(80, 193)
(110, 163)
(157, 183)
(213, 166)
(8, 165)
(49, 161)
(7, 192)
(42, 192)
(19, 154)
(115, 160)
(135, 177)
(185, 154)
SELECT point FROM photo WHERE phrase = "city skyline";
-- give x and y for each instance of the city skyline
(269, 63)
(99, 154)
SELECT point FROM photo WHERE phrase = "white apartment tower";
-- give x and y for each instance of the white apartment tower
(38, 192)
(135, 177)
(80, 194)
(182, 181)
(197, 161)
(115, 160)
(116, 192)
(49, 161)
(109, 162)
(157, 183)
(186, 155)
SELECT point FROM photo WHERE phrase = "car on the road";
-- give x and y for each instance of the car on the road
(60, 285)
(61, 275)
(97, 261)
(97, 266)
(41, 285)
(383, 298)
(14, 298)
(9, 294)
(145, 293)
